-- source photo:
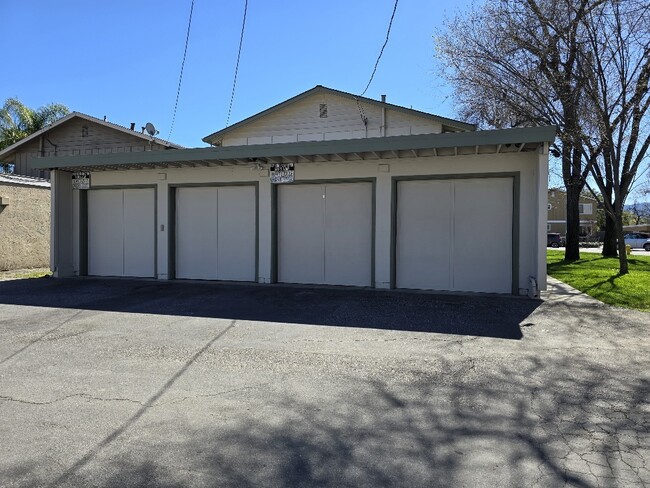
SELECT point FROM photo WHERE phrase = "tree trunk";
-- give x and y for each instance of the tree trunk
(622, 255)
(572, 250)
(609, 241)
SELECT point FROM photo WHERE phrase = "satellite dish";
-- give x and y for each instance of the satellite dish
(151, 130)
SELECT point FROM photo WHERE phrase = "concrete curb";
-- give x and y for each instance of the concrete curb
(558, 291)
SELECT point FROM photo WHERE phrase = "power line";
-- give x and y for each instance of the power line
(180, 79)
(234, 81)
(390, 24)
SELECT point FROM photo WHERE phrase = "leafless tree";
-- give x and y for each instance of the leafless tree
(580, 65)
(616, 65)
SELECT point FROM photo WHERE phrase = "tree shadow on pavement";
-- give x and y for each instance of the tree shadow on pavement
(541, 424)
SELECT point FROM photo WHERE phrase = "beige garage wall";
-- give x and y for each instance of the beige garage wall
(382, 171)
(24, 227)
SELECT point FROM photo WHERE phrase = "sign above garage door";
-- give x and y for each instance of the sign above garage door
(81, 180)
(282, 173)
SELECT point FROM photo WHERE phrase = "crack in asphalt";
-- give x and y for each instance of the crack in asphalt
(90, 455)
(586, 430)
(74, 395)
(210, 395)
(87, 396)
(40, 338)
(608, 420)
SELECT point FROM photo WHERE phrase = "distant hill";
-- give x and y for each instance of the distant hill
(643, 206)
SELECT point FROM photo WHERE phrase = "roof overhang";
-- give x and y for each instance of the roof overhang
(377, 148)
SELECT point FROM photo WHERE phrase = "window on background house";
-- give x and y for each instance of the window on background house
(548, 227)
(585, 208)
(7, 168)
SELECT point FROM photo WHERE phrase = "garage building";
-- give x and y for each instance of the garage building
(325, 188)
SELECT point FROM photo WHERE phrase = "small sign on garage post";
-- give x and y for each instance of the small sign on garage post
(81, 180)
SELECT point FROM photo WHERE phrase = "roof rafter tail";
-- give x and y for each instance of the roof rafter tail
(459, 143)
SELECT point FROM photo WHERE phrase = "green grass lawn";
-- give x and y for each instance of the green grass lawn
(21, 274)
(598, 277)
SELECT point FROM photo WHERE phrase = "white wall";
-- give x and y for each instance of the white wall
(301, 121)
(529, 165)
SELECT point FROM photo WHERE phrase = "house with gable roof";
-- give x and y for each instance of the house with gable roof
(339, 115)
(76, 134)
(25, 190)
(325, 188)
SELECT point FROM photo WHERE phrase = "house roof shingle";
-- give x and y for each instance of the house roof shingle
(21, 180)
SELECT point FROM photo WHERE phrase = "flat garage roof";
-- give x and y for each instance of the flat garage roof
(446, 144)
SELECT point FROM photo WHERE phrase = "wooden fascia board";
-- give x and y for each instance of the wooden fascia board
(356, 147)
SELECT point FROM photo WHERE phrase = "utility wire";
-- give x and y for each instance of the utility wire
(234, 81)
(390, 24)
(180, 78)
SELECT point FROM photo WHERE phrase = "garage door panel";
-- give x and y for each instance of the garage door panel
(216, 233)
(236, 233)
(325, 233)
(348, 234)
(121, 232)
(196, 233)
(300, 234)
(455, 235)
(105, 232)
(423, 244)
(483, 235)
(139, 232)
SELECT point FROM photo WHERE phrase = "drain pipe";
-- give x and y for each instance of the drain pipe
(382, 128)
(533, 289)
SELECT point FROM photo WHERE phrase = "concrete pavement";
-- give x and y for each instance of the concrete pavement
(131, 383)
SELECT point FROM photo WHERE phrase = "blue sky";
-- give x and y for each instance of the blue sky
(122, 58)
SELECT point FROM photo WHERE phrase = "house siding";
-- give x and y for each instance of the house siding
(24, 227)
(301, 121)
(67, 140)
(557, 213)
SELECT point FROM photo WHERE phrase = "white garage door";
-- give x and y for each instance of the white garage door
(121, 232)
(455, 235)
(216, 233)
(325, 233)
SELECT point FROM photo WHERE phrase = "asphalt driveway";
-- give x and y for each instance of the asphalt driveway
(118, 383)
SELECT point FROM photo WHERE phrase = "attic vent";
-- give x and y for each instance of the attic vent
(84, 131)
(323, 110)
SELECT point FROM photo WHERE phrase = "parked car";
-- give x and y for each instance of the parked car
(553, 240)
(638, 240)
